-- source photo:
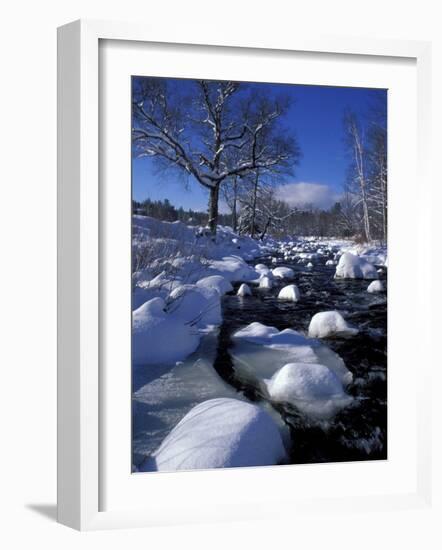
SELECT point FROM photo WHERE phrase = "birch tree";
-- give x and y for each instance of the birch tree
(377, 138)
(359, 181)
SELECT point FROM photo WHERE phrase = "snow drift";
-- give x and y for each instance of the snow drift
(199, 306)
(221, 284)
(153, 330)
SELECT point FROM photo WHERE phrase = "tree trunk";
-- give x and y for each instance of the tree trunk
(263, 234)
(213, 209)
(366, 215)
(234, 217)
(384, 208)
(234, 206)
(255, 197)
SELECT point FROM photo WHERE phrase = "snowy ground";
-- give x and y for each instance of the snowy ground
(180, 278)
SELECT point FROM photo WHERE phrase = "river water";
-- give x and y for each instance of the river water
(358, 432)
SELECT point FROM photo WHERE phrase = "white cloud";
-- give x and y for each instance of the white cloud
(305, 193)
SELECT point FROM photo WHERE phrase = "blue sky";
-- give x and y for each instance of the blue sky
(315, 118)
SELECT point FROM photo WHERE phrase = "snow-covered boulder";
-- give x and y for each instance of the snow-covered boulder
(260, 350)
(309, 265)
(244, 290)
(221, 284)
(375, 286)
(290, 293)
(153, 330)
(354, 267)
(329, 324)
(233, 268)
(308, 255)
(304, 381)
(257, 333)
(198, 305)
(220, 433)
(311, 387)
(265, 282)
(283, 273)
(262, 269)
(329, 263)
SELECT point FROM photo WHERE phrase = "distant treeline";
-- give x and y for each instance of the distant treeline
(166, 211)
(309, 221)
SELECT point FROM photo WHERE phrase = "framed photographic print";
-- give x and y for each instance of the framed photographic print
(229, 224)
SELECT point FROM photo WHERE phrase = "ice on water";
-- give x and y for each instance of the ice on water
(164, 394)
(260, 353)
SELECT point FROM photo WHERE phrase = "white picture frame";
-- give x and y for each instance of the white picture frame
(79, 267)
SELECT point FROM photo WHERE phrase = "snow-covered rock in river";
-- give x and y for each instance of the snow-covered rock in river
(153, 330)
(262, 269)
(283, 273)
(313, 388)
(265, 282)
(290, 293)
(309, 265)
(329, 324)
(304, 381)
(375, 255)
(244, 290)
(220, 433)
(221, 284)
(354, 267)
(260, 351)
(233, 268)
(375, 286)
(308, 256)
(277, 348)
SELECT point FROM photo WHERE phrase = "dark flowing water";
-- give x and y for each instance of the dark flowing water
(358, 432)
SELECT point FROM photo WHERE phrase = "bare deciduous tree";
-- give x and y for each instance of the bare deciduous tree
(359, 182)
(377, 141)
(197, 132)
(230, 192)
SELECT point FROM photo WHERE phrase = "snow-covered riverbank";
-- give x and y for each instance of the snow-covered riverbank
(178, 287)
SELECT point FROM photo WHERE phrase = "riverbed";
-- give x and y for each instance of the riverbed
(164, 393)
(358, 432)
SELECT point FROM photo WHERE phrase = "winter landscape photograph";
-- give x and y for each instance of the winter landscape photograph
(259, 274)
